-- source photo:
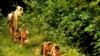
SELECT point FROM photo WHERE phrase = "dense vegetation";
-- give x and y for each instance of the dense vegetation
(73, 24)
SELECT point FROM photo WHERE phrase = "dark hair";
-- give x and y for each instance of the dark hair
(17, 30)
(57, 47)
(49, 43)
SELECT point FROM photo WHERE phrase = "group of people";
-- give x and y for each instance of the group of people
(50, 49)
(13, 22)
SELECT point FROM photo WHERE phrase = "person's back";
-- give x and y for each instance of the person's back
(24, 33)
(47, 49)
(55, 51)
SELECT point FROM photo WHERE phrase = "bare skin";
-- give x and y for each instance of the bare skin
(47, 49)
(14, 19)
(24, 36)
(55, 51)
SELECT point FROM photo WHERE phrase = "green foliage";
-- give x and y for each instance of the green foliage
(73, 23)
(69, 51)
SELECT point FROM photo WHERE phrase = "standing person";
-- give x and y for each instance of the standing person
(10, 22)
(13, 20)
(24, 36)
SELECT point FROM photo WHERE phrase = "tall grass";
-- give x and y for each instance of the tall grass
(37, 36)
(9, 48)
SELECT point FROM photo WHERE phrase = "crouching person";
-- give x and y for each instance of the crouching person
(24, 36)
(17, 36)
(47, 46)
(55, 51)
